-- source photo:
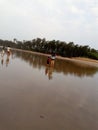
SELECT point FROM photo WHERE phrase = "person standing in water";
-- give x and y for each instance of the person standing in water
(3, 52)
(53, 56)
(48, 60)
(8, 50)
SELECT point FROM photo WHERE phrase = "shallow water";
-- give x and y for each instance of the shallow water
(34, 96)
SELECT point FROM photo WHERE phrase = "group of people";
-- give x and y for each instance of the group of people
(3, 52)
(7, 50)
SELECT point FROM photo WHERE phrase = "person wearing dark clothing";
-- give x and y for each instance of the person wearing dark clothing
(48, 60)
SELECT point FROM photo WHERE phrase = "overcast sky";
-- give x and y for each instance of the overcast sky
(65, 20)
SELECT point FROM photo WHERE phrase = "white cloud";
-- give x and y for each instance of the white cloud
(95, 11)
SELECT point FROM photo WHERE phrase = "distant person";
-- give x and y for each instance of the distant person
(2, 53)
(48, 60)
(8, 50)
(53, 56)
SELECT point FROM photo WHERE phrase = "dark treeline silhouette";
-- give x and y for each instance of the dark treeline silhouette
(59, 47)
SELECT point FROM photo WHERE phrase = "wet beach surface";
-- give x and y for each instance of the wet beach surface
(34, 96)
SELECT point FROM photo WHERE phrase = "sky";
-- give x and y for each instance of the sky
(65, 20)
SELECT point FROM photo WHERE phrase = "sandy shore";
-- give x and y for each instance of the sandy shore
(85, 61)
(82, 61)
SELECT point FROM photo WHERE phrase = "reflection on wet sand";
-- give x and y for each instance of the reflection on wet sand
(49, 71)
(28, 101)
(2, 61)
(61, 66)
(7, 59)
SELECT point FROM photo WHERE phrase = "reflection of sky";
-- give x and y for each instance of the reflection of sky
(30, 62)
(26, 94)
(24, 73)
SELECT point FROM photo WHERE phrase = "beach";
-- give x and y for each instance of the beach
(79, 60)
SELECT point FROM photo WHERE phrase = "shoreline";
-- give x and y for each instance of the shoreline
(80, 60)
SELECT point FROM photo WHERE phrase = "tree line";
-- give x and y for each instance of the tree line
(61, 48)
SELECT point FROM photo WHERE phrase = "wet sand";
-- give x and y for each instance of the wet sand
(79, 60)
(64, 99)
